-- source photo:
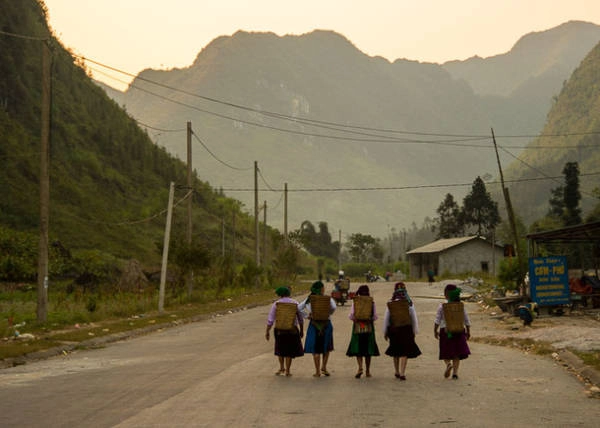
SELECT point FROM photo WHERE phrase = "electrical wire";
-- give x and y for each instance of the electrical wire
(424, 186)
(215, 156)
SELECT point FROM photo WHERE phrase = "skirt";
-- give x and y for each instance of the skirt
(453, 347)
(319, 337)
(363, 344)
(288, 343)
(402, 342)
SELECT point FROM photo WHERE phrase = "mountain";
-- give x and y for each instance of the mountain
(316, 113)
(575, 115)
(109, 183)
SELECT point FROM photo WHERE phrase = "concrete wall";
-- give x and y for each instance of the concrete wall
(469, 257)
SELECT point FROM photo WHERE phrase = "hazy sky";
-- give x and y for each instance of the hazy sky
(132, 35)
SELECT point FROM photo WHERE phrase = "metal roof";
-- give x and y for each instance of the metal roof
(442, 245)
(589, 232)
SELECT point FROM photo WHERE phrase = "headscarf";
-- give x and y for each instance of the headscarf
(283, 291)
(400, 293)
(363, 290)
(452, 293)
(399, 285)
(316, 287)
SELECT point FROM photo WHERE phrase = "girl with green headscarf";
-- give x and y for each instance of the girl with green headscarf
(319, 334)
(288, 342)
(453, 346)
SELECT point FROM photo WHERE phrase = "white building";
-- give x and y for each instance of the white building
(456, 256)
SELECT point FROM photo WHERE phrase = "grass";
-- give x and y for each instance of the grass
(76, 318)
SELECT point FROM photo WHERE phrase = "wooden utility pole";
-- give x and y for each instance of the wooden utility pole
(190, 274)
(256, 231)
(510, 212)
(285, 212)
(264, 239)
(42, 272)
(165, 255)
(340, 250)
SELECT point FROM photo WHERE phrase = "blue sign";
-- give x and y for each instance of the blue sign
(549, 280)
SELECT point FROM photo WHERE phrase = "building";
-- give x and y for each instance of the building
(455, 256)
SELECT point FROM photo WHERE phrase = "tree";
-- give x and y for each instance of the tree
(572, 196)
(449, 221)
(362, 247)
(480, 209)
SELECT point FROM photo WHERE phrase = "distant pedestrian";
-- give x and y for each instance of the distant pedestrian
(319, 334)
(288, 338)
(400, 326)
(431, 276)
(454, 327)
(362, 340)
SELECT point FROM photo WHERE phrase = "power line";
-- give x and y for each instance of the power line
(217, 158)
(424, 186)
(21, 36)
(343, 127)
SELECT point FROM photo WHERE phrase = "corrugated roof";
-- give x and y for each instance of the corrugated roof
(441, 245)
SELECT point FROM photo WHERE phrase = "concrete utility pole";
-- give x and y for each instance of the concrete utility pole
(42, 272)
(190, 274)
(256, 231)
(165, 256)
(340, 250)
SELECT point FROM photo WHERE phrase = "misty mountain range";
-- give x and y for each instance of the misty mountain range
(362, 143)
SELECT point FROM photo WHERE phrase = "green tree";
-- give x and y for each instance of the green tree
(362, 248)
(572, 195)
(480, 209)
(449, 221)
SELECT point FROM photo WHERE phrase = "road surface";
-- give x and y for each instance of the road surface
(220, 373)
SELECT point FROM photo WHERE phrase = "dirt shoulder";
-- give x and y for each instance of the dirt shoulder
(566, 338)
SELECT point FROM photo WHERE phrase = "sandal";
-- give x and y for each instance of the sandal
(279, 372)
(325, 372)
(358, 374)
(448, 370)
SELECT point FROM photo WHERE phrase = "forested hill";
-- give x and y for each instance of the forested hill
(109, 182)
(315, 112)
(576, 115)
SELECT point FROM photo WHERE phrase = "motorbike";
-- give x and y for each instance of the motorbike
(341, 291)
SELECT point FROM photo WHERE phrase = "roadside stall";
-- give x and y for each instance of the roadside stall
(553, 284)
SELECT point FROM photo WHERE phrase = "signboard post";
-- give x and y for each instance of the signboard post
(549, 280)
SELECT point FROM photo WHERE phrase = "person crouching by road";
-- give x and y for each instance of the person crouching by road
(454, 327)
(400, 326)
(319, 334)
(289, 330)
(362, 342)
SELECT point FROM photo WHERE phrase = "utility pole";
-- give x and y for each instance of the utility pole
(256, 231)
(233, 239)
(190, 274)
(285, 212)
(511, 215)
(340, 250)
(165, 255)
(42, 272)
(223, 237)
(264, 240)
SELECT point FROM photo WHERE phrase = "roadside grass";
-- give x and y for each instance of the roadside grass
(591, 359)
(74, 318)
(526, 345)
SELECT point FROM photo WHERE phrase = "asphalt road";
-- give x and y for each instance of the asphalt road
(220, 373)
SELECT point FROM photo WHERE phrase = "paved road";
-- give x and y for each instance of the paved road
(220, 373)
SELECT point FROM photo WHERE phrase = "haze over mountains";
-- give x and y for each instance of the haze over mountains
(316, 113)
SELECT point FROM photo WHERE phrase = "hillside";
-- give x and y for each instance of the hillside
(575, 112)
(318, 84)
(109, 182)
